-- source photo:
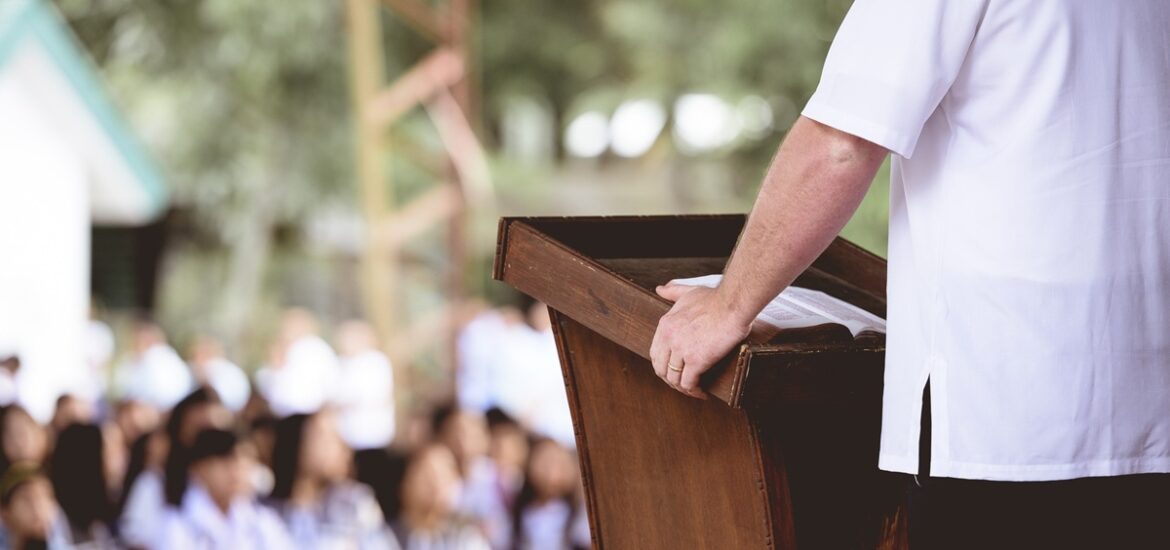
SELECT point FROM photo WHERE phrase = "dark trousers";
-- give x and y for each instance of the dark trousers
(1106, 513)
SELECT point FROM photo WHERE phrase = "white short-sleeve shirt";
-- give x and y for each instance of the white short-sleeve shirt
(1029, 255)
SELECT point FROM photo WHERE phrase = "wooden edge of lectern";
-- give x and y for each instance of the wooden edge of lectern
(626, 311)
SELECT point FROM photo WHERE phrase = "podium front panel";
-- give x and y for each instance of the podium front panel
(662, 470)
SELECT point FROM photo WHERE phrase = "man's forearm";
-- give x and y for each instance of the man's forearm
(814, 185)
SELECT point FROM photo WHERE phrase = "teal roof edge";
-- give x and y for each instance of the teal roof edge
(35, 19)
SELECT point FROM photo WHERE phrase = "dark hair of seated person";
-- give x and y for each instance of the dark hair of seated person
(439, 417)
(177, 461)
(212, 444)
(497, 417)
(286, 455)
(135, 465)
(77, 473)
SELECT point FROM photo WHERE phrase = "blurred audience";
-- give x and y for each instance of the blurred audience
(142, 499)
(210, 368)
(508, 360)
(322, 507)
(302, 368)
(70, 410)
(100, 346)
(364, 395)
(9, 379)
(115, 459)
(200, 410)
(313, 458)
(135, 418)
(478, 385)
(482, 499)
(430, 500)
(548, 504)
(79, 478)
(155, 374)
(29, 510)
(22, 439)
(219, 508)
(508, 448)
(158, 485)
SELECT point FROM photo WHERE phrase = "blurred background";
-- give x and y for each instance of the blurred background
(282, 216)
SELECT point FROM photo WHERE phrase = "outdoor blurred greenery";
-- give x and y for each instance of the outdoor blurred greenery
(246, 106)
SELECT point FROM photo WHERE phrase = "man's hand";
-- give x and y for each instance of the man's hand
(813, 186)
(698, 331)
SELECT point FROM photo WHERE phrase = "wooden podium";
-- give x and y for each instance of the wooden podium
(783, 456)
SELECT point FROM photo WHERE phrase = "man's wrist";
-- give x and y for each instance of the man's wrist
(734, 307)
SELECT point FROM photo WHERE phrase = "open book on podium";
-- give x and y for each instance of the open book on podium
(784, 455)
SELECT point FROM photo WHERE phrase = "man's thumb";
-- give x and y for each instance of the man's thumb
(673, 292)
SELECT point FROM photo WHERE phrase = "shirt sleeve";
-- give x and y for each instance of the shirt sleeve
(890, 66)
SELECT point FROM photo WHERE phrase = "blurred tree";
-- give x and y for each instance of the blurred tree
(246, 105)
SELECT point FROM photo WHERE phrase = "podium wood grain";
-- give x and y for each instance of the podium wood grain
(785, 456)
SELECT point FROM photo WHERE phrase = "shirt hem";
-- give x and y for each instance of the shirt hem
(1029, 472)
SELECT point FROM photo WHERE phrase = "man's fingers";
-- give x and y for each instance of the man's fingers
(689, 380)
(674, 370)
(673, 292)
(659, 353)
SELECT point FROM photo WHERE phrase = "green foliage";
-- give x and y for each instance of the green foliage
(246, 105)
(241, 100)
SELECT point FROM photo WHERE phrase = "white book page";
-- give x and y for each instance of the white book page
(797, 307)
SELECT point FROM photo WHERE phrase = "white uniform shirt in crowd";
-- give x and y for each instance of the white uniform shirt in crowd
(304, 382)
(158, 377)
(364, 397)
(530, 386)
(516, 368)
(1029, 252)
(230, 382)
(145, 504)
(478, 346)
(100, 346)
(198, 524)
(545, 526)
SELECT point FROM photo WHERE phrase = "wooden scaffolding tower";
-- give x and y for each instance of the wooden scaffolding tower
(441, 84)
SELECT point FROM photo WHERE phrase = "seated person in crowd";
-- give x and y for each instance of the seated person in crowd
(465, 434)
(508, 450)
(30, 513)
(141, 501)
(219, 509)
(78, 472)
(430, 496)
(71, 410)
(548, 505)
(209, 367)
(22, 438)
(153, 489)
(321, 505)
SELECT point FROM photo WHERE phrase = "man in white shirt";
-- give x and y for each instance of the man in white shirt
(1029, 268)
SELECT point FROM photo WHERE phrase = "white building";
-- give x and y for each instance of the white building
(67, 161)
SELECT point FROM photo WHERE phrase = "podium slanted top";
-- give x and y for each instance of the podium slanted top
(602, 271)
